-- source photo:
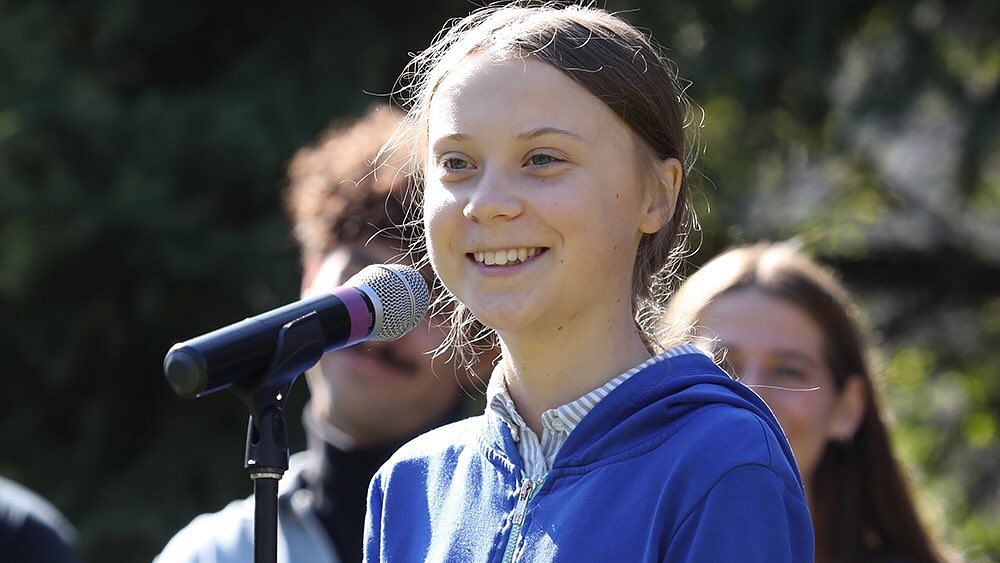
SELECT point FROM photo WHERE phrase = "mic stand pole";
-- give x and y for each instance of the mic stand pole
(300, 346)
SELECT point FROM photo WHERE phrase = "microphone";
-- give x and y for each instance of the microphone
(381, 302)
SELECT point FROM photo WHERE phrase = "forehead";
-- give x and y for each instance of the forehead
(754, 321)
(482, 95)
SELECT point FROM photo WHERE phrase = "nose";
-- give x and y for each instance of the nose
(493, 199)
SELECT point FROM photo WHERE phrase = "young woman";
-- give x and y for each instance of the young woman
(553, 154)
(784, 326)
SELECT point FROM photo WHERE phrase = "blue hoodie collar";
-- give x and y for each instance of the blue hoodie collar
(662, 392)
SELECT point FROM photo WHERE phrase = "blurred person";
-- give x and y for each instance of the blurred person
(785, 326)
(365, 400)
(32, 529)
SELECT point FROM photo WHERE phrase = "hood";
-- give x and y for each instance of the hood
(661, 399)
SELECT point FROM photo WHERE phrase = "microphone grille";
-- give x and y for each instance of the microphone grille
(399, 295)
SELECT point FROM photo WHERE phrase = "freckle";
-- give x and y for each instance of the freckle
(618, 196)
(558, 329)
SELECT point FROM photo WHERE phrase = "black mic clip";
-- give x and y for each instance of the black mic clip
(300, 345)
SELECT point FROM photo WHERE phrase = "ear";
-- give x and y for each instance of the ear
(661, 198)
(849, 410)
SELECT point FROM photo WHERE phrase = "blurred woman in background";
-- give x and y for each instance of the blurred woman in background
(784, 326)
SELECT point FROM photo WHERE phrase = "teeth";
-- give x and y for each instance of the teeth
(508, 256)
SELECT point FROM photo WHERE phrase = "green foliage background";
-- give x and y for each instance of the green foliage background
(142, 147)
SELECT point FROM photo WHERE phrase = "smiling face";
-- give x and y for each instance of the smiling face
(534, 204)
(378, 392)
(777, 350)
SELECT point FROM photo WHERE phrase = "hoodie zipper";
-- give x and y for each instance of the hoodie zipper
(528, 490)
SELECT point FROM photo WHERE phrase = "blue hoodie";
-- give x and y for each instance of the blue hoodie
(679, 463)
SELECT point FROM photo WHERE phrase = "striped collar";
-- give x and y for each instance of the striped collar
(537, 454)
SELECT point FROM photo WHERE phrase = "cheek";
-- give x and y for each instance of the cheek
(439, 220)
(614, 210)
(610, 237)
(803, 415)
(325, 374)
(423, 339)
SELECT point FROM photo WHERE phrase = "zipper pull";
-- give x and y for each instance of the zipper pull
(527, 486)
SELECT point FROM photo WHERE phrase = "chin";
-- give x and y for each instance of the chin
(502, 321)
(506, 311)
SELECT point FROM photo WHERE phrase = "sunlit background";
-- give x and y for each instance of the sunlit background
(142, 147)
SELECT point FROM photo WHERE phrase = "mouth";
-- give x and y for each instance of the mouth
(506, 256)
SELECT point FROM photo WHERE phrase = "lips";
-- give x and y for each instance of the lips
(504, 256)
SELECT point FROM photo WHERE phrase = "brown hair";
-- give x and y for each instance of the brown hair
(613, 61)
(335, 195)
(861, 506)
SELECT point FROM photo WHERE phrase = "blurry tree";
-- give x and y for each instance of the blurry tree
(142, 147)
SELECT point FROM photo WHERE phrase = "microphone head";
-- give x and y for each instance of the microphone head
(398, 294)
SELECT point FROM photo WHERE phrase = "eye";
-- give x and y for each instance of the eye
(542, 159)
(788, 372)
(455, 163)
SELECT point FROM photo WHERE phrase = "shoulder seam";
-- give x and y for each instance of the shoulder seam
(763, 431)
(701, 501)
(770, 457)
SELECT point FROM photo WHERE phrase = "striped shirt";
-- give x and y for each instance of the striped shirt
(537, 454)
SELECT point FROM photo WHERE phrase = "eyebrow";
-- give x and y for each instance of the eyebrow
(794, 355)
(460, 137)
(783, 353)
(525, 136)
(541, 131)
(452, 137)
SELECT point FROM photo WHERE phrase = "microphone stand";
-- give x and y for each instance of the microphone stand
(300, 345)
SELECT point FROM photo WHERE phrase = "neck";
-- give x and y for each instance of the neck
(555, 365)
(338, 480)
